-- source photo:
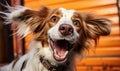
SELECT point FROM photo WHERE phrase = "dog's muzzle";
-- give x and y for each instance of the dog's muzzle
(61, 40)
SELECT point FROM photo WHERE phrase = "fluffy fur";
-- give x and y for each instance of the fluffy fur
(59, 35)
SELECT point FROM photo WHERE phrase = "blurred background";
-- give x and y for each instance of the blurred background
(106, 57)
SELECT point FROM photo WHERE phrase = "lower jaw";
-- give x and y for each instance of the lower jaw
(60, 60)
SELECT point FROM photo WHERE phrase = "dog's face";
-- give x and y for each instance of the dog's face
(63, 33)
(60, 31)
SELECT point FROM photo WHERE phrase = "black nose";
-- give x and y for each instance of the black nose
(66, 29)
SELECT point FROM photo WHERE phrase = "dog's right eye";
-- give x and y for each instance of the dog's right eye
(54, 18)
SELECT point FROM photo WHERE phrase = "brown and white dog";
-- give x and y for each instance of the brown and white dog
(59, 35)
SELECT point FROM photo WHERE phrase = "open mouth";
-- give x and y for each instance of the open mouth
(60, 49)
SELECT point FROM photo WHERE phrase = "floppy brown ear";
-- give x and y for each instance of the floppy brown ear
(36, 19)
(28, 20)
(96, 26)
(92, 28)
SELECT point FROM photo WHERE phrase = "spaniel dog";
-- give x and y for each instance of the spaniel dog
(58, 36)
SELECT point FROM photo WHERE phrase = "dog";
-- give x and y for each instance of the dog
(58, 36)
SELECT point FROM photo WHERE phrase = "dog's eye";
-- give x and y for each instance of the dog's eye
(54, 19)
(76, 22)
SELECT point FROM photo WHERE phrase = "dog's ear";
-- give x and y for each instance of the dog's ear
(28, 20)
(92, 28)
(96, 26)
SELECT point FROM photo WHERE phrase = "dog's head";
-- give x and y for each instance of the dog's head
(60, 31)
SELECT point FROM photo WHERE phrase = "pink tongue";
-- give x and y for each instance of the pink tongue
(60, 52)
(61, 47)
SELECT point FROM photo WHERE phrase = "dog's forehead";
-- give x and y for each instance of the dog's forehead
(66, 12)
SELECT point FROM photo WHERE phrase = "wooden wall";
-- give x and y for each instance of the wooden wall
(106, 57)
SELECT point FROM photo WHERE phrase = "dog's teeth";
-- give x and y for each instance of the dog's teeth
(56, 53)
(64, 55)
(59, 56)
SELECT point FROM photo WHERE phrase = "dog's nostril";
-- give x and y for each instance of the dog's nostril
(66, 29)
(62, 28)
(70, 30)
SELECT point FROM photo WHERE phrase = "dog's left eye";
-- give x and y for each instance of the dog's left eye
(76, 22)
(54, 19)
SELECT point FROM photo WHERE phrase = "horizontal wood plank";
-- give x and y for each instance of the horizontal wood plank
(112, 9)
(70, 5)
(106, 51)
(109, 42)
(48, 2)
(98, 68)
(99, 61)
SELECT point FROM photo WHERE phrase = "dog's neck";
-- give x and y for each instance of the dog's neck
(47, 64)
(51, 67)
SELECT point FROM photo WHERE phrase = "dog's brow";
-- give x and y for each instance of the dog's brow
(78, 15)
(56, 11)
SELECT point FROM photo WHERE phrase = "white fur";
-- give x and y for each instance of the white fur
(23, 30)
(14, 12)
(17, 67)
